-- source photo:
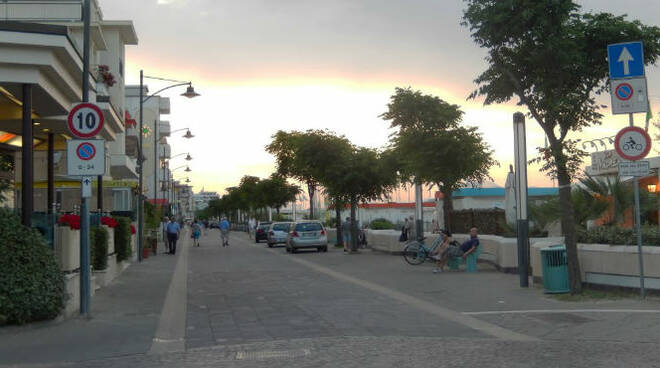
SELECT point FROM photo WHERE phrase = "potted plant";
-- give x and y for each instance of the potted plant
(146, 245)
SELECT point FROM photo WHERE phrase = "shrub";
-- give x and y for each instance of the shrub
(99, 248)
(123, 238)
(331, 223)
(614, 235)
(381, 224)
(488, 221)
(31, 283)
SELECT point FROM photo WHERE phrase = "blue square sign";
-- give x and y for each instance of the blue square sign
(626, 60)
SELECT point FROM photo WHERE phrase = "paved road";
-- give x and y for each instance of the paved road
(250, 306)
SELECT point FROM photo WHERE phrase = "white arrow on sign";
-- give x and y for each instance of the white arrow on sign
(625, 58)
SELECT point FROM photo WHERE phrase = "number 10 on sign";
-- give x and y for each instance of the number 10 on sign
(85, 120)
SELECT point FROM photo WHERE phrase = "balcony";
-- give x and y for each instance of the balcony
(165, 151)
(164, 129)
(123, 167)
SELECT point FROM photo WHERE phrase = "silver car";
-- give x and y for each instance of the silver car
(307, 234)
(277, 233)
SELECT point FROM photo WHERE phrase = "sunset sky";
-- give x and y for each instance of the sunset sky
(264, 65)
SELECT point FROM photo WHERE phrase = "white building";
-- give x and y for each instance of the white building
(203, 198)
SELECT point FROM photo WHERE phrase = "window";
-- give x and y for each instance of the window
(121, 199)
(308, 226)
(121, 68)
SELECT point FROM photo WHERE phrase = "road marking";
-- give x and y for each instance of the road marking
(171, 332)
(544, 311)
(428, 307)
(272, 354)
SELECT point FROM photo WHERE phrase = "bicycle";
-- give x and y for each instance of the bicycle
(416, 252)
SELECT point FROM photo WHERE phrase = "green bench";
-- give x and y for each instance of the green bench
(470, 261)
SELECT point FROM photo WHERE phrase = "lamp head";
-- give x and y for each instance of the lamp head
(187, 169)
(190, 92)
(187, 180)
(188, 135)
(188, 158)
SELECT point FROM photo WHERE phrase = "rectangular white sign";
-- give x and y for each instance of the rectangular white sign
(86, 186)
(629, 95)
(634, 168)
(604, 162)
(85, 157)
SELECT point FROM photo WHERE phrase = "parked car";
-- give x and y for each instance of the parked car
(262, 231)
(307, 234)
(277, 233)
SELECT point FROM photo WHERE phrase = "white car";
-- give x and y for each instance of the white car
(277, 233)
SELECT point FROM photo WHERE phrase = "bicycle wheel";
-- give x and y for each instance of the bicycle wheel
(414, 253)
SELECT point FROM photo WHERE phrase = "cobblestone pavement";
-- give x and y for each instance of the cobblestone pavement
(250, 306)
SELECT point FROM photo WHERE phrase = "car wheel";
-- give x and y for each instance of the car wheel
(270, 245)
(256, 240)
(325, 249)
(293, 250)
(319, 249)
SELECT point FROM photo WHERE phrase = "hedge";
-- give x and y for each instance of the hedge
(381, 224)
(99, 248)
(488, 221)
(31, 283)
(123, 238)
(614, 235)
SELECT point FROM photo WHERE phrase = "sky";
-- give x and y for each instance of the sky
(267, 65)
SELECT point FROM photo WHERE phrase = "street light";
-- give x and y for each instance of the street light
(190, 93)
(188, 135)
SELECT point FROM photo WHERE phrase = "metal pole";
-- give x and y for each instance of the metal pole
(156, 160)
(638, 228)
(419, 212)
(85, 292)
(141, 161)
(520, 145)
(27, 198)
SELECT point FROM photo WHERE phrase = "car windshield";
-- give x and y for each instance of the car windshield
(264, 225)
(281, 227)
(308, 226)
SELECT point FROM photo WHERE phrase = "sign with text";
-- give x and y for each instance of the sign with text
(629, 95)
(604, 162)
(634, 168)
(85, 120)
(85, 157)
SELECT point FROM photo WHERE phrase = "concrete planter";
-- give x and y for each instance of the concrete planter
(67, 248)
(111, 239)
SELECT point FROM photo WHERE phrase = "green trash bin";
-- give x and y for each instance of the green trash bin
(555, 270)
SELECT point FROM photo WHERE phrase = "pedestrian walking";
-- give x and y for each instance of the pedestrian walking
(224, 232)
(346, 233)
(173, 230)
(251, 227)
(196, 232)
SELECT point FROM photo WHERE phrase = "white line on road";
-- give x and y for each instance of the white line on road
(532, 311)
(171, 332)
(428, 307)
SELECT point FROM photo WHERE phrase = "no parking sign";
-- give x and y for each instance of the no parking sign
(85, 157)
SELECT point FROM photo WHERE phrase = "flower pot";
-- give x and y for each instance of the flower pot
(145, 253)
(67, 248)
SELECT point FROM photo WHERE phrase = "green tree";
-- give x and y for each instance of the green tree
(368, 175)
(277, 192)
(553, 59)
(433, 148)
(6, 171)
(307, 156)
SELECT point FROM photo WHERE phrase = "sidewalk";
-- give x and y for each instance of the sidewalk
(124, 318)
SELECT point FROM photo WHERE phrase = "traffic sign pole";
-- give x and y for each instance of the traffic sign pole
(85, 279)
(638, 227)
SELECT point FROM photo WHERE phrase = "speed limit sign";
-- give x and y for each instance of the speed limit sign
(85, 120)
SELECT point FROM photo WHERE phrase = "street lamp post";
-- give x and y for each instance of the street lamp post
(188, 135)
(190, 93)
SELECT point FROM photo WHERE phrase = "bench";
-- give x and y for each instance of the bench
(470, 261)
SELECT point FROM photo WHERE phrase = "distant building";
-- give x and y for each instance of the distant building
(203, 198)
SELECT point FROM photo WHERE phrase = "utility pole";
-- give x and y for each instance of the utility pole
(520, 145)
(85, 292)
(419, 211)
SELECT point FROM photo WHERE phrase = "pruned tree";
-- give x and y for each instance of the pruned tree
(433, 148)
(553, 59)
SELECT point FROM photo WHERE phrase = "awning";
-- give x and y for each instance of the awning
(159, 201)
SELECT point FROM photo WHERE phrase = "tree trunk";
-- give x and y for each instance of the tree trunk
(568, 226)
(340, 238)
(311, 188)
(353, 225)
(447, 207)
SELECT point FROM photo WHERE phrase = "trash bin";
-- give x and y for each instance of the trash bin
(555, 270)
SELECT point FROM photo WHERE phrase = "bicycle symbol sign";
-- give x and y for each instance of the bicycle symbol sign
(624, 91)
(86, 151)
(632, 143)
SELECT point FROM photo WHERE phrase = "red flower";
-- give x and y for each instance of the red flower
(72, 221)
(132, 229)
(108, 221)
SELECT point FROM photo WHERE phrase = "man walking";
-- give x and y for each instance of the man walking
(173, 230)
(224, 232)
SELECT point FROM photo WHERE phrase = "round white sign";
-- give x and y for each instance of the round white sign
(85, 120)
(632, 143)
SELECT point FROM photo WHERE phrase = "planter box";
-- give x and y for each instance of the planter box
(67, 248)
(111, 239)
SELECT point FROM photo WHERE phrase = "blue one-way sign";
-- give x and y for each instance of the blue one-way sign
(626, 60)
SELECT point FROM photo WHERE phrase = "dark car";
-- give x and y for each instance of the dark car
(262, 231)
